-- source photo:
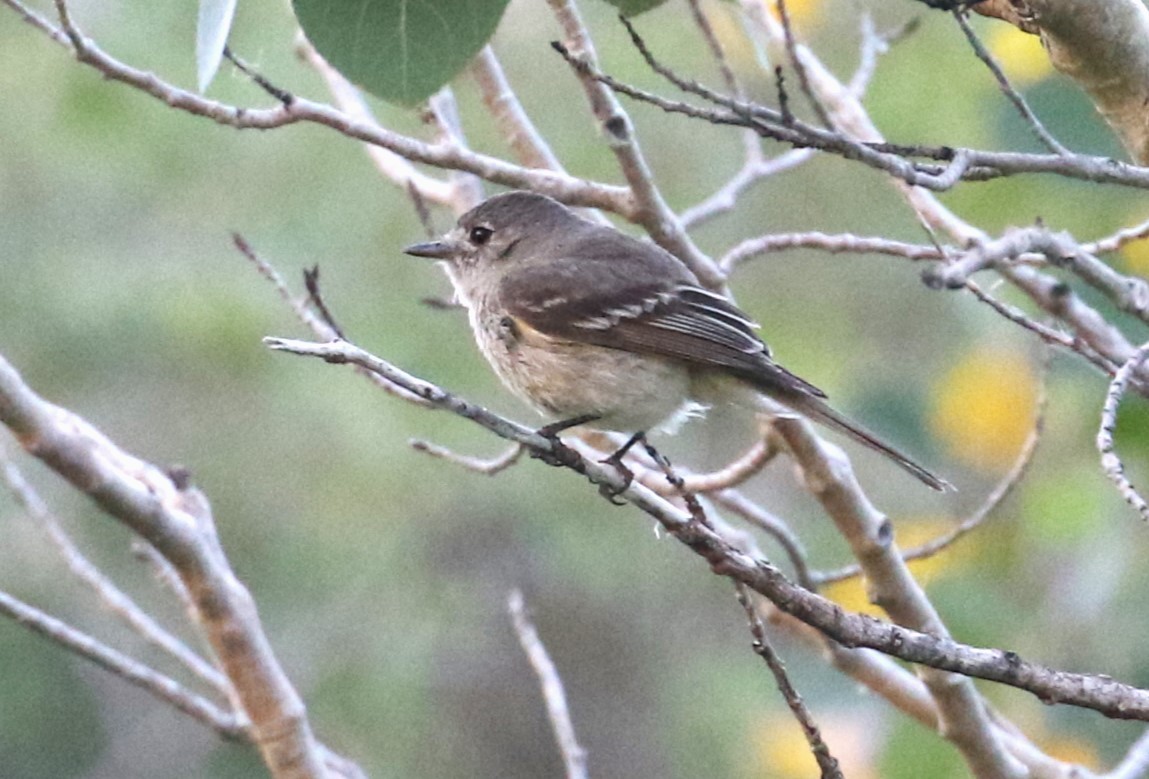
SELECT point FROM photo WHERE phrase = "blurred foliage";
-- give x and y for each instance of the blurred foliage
(382, 574)
(1020, 55)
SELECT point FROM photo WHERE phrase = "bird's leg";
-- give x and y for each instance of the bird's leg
(560, 454)
(552, 430)
(676, 481)
(627, 474)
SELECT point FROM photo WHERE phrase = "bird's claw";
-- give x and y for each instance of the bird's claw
(609, 492)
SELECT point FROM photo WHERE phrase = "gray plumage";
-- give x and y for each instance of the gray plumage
(578, 318)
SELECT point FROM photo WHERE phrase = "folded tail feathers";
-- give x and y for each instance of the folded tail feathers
(820, 412)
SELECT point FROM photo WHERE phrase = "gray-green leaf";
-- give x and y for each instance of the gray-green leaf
(399, 50)
(635, 7)
(212, 28)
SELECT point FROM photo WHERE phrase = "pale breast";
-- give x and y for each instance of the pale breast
(563, 379)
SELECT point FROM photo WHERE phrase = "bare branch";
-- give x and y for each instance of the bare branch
(736, 472)
(1114, 242)
(1110, 460)
(392, 165)
(1018, 101)
(912, 164)
(756, 516)
(1100, 693)
(116, 600)
(487, 467)
(177, 522)
(575, 192)
(1128, 293)
(516, 127)
(907, 694)
(574, 756)
(1047, 334)
(162, 687)
(1103, 45)
(40, 22)
(754, 169)
(762, 647)
(834, 244)
(443, 115)
(651, 210)
(1135, 764)
(306, 315)
(962, 713)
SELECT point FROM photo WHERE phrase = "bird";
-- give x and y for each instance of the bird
(591, 326)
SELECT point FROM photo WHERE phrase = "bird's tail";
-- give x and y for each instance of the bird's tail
(764, 395)
(819, 411)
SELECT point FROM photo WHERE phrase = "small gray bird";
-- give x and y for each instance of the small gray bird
(586, 323)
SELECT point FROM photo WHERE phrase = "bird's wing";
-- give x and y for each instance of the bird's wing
(644, 307)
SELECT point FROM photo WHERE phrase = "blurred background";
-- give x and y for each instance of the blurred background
(381, 574)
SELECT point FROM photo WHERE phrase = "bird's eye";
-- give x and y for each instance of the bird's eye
(480, 235)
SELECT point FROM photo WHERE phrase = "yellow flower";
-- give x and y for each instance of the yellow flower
(1020, 54)
(851, 594)
(983, 407)
(802, 13)
(1136, 254)
(780, 750)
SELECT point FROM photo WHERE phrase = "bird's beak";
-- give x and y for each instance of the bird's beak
(435, 250)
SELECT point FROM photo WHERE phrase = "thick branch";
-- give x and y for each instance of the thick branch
(1103, 45)
(175, 519)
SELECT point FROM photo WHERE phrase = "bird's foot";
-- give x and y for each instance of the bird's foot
(615, 460)
(560, 455)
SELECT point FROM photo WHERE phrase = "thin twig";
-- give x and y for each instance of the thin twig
(1110, 460)
(702, 22)
(1046, 333)
(734, 473)
(1118, 239)
(259, 79)
(486, 466)
(316, 300)
(756, 516)
(175, 518)
(163, 687)
(1135, 764)
(116, 600)
(306, 314)
(841, 243)
(443, 115)
(762, 647)
(422, 212)
(1018, 101)
(573, 755)
(754, 168)
(800, 67)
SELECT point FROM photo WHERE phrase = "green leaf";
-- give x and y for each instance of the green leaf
(212, 27)
(399, 50)
(635, 7)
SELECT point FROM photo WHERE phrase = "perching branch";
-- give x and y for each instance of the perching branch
(1100, 693)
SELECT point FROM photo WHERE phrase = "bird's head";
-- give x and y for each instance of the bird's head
(508, 230)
